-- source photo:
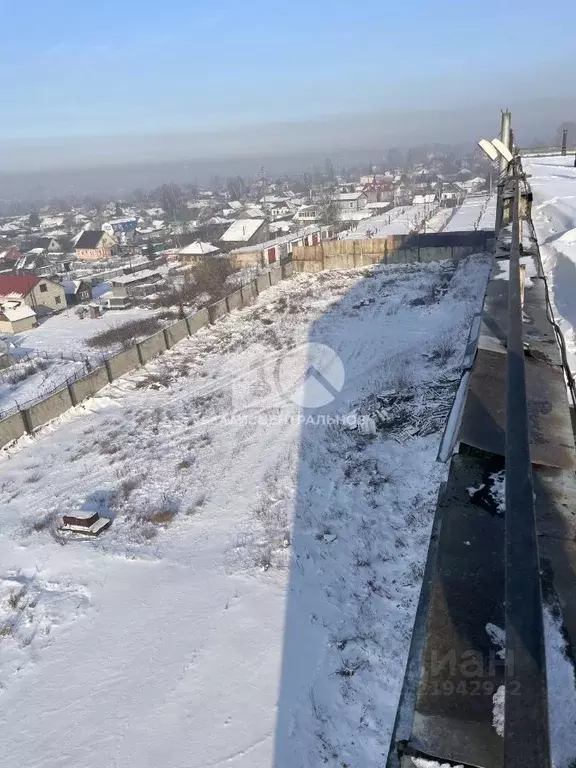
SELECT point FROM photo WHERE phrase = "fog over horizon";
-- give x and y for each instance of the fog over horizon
(109, 164)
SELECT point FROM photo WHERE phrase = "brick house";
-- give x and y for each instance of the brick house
(94, 245)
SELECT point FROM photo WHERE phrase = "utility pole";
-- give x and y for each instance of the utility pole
(564, 141)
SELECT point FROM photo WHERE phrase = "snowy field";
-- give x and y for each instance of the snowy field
(553, 183)
(27, 380)
(65, 332)
(476, 212)
(438, 221)
(399, 221)
(251, 605)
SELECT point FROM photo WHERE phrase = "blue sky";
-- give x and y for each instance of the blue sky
(78, 69)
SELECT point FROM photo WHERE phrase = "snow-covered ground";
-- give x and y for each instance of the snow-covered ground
(553, 183)
(438, 221)
(252, 603)
(476, 212)
(66, 332)
(399, 221)
(62, 334)
(27, 380)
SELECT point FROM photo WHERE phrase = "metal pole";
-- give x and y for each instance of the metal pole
(505, 138)
(526, 739)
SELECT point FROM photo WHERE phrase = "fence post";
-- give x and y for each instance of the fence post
(71, 393)
(139, 353)
(26, 421)
(108, 371)
(166, 339)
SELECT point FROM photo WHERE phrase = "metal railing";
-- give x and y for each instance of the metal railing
(526, 735)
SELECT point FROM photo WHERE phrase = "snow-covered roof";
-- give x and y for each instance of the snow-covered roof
(423, 199)
(13, 312)
(292, 237)
(198, 248)
(348, 196)
(144, 274)
(71, 286)
(235, 204)
(242, 230)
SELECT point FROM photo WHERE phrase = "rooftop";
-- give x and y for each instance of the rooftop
(17, 285)
(90, 238)
(242, 230)
(144, 274)
(198, 248)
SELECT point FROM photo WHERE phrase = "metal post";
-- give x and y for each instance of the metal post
(526, 739)
(505, 138)
(564, 141)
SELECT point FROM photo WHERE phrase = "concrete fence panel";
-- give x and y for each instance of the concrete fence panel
(152, 347)
(248, 293)
(48, 409)
(89, 385)
(197, 321)
(275, 275)
(176, 332)
(123, 362)
(234, 300)
(263, 282)
(287, 270)
(11, 428)
(217, 310)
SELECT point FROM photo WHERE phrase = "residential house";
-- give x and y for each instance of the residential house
(137, 285)
(279, 210)
(43, 295)
(280, 249)
(16, 317)
(9, 257)
(350, 202)
(196, 251)
(77, 291)
(94, 245)
(307, 214)
(49, 244)
(245, 232)
(35, 262)
(121, 230)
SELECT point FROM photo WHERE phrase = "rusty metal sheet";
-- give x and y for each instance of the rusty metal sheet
(462, 665)
(484, 418)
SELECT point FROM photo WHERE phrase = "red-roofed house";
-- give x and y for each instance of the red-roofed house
(43, 295)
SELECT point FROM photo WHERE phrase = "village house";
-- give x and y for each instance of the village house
(307, 214)
(16, 317)
(121, 230)
(280, 249)
(137, 285)
(350, 202)
(245, 232)
(77, 291)
(42, 295)
(196, 251)
(94, 245)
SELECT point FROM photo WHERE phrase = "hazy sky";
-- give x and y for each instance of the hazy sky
(73, 72)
